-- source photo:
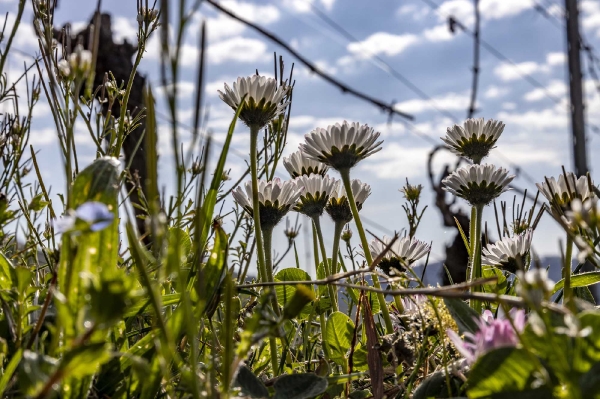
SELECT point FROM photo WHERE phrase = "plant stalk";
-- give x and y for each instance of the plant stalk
(365, 244)
(567, 290)
(475, 261)
(328, 270)
(260, 248)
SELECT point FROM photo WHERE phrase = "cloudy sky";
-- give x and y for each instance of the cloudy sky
(522, 83)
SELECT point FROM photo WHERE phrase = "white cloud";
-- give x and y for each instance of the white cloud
(223, 26)
(448, 101)
(555, 118)
(416, 13)
(509, 106)
(590, 16)
(439, 33)
(508, 72)
(239, 49)
(556, 88)
(495, 91)
(303, 6)
(125, 28)
(382, 43)
(265, 14)
(557, 58)
(489, 9)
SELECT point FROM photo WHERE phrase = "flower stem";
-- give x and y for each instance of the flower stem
(365, 244)
(322, 315)
(328, 272)
(337, 234)
(567, 290)
(475, 261)
(259, 238)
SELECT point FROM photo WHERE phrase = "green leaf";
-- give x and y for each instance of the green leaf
(505, 373)
(37, 203)
(285, 293)
(340, 330)
(464, 237)
(209, 278)
(579, 280)
(250, 384)
(84, 360)
(299, 386)
(464, 316)
(9, 370)
(302, 297)
(7, 273)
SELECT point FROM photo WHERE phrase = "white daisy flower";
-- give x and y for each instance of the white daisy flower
(508, 253)
(534, 285)
(315, 195)
(478, 184)
(275, 199)
(341, 146)
(583, 214)
(561, 193)
(474, 139)
(403, 253)
(338, 206)
(264, 99)
(298, 164)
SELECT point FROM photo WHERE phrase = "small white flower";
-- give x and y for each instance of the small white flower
(315, 195)
(298, 164)
(341, 146)
(338, 206)
(560, 193)
(80, 61)
(403, 253)
(264, 99)
(478, 184)
(508, 253)
(64, 68)
(275, 199)
(474, 139)
(534, 285)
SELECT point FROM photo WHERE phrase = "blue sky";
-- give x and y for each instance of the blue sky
(414, 40)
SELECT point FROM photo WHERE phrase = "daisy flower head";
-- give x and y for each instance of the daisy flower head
(508, 253)
(492, 334)
(403, 253)
(474, 139)
(534, 285)
(561, 193)
(338, 206)
(264, 99)
(298, 164)
(584, 214)
(341, 146)
(478, 184)
(275, 199)
(315, 194)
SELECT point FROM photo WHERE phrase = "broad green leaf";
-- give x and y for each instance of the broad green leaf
(7, 273)
(299, 386)
(464, 316)
(179, 248)
(579, 280)
(302, 297)
(250, 384)
(285, 293)
(505, 373)
(340, 330)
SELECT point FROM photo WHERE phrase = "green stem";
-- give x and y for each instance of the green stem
(255, 204)
(365, 244)
(322, 315)
(399, 304)
(337, 234)
(567, 290)
(328, 272)
(266, 276)
(475, 261)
